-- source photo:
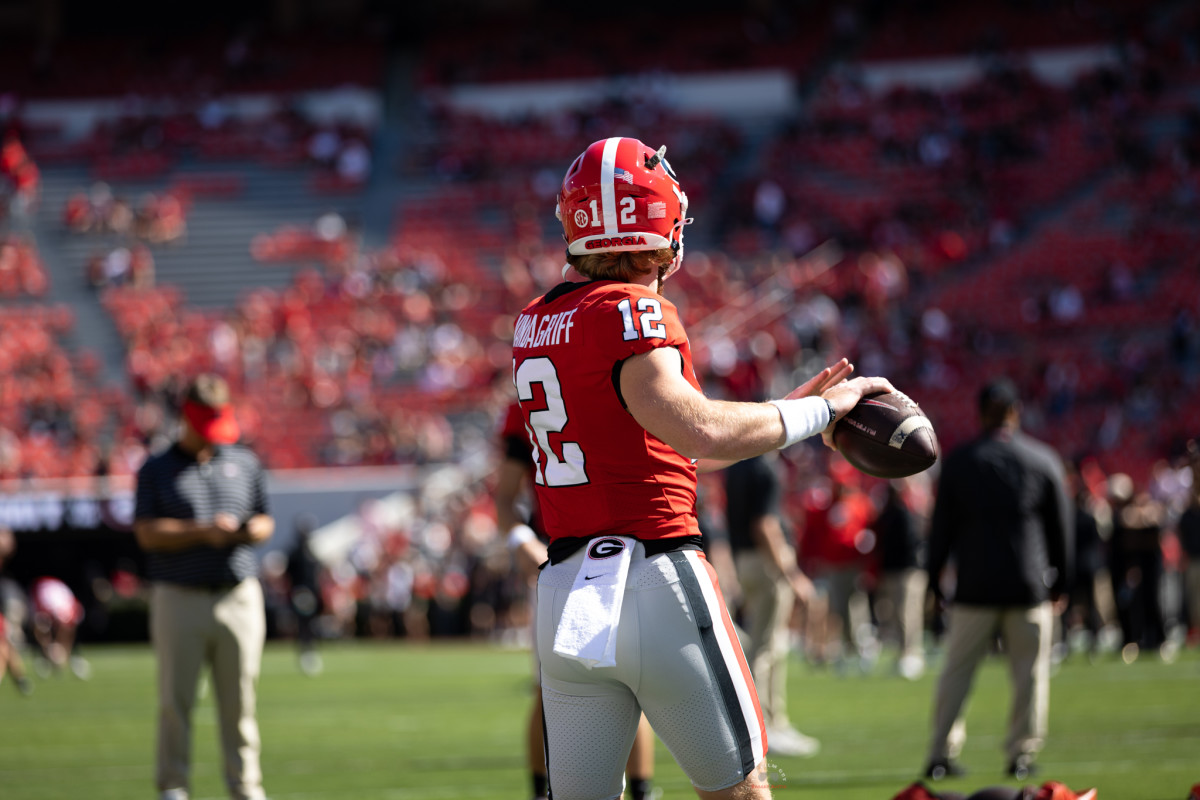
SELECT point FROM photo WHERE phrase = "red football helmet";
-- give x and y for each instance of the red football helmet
(1053, 790)
(620, 195)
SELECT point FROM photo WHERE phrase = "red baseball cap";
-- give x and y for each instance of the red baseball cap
(217, 425)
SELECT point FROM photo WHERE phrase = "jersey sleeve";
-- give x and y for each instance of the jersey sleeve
(637, 320)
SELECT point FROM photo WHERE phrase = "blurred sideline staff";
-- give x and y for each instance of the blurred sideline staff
(201, 509)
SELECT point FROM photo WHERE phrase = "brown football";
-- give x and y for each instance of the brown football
(887, 435)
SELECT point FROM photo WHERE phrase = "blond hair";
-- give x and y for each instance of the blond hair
(622, 266)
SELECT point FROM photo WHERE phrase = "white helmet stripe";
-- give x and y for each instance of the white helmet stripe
(608, 192)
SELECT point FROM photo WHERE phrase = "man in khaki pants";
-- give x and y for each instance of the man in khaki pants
(1189, 537)
(1002, 514)
(201, 507)
(772, 584)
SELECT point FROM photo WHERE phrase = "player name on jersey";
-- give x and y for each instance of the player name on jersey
(538, 330)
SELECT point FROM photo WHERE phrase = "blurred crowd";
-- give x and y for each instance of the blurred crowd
(20, 178)
(21, 270)
(157, 219)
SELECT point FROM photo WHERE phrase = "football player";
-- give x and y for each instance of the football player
(630, 618)
(527, 541)
(56, 616)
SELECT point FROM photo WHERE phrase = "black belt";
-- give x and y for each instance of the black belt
(562, 549)
(214, 588)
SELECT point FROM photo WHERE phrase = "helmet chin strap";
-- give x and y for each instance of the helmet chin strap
(667, 270)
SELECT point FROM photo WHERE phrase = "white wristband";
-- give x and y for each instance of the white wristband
(519, 535)
(803, 417)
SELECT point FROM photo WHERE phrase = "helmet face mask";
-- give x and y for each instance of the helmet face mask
(620, 196)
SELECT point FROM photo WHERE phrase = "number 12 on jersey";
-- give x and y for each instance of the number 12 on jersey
(651, 319)
(569, 470)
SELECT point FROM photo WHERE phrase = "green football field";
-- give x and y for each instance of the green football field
(391, 721)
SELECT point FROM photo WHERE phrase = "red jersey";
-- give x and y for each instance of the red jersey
(834, 526)
(596, 470)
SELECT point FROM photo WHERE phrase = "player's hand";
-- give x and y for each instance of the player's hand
(830, 376)
(802, 588)
(845, 396)
(1059, 603)
(257, 530)
(224, 529)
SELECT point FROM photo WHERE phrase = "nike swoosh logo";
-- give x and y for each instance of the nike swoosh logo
(589, 577)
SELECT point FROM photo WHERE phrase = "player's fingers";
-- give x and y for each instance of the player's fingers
(839, 372)
(832, 375)
(876, 384)
(814, 385)
(836, 373)
(821, 378)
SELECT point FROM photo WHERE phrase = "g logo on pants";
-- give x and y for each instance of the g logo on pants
(605, 548)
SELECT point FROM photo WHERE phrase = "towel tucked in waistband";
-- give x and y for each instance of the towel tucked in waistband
(587, 630)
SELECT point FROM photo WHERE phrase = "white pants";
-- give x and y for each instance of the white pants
(678, 660)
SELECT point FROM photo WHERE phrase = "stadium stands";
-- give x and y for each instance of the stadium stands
(941, 179)
(1010, 222)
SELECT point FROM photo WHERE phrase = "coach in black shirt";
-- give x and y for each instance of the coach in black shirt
(1003, 516)
(201, 508)
(771, 583)
(1189, 538)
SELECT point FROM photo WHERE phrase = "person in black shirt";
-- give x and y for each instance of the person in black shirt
(771, 584)
(1189, 535)
(1003, 515)
(1085, 612)
(1138, 522)
(900, 602)
(304, 593)
(201, 508)
(1189, 538)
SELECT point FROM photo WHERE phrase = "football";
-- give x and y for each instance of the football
(887, 436)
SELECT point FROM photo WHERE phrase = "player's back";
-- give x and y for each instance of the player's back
(596, 470)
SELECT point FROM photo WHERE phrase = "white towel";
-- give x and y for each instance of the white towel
(587, 631)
